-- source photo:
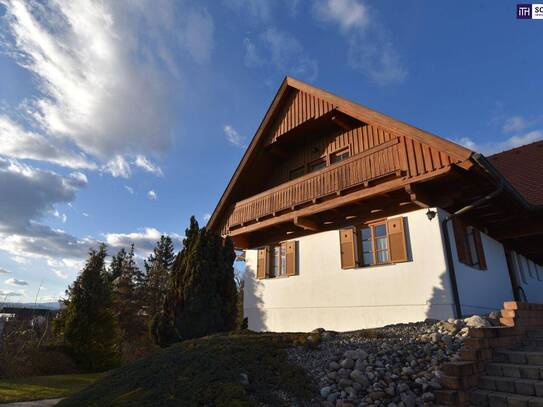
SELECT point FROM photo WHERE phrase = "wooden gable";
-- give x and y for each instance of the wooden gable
(297, 108)
(379, 144)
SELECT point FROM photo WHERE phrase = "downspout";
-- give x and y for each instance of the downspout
(448, 250)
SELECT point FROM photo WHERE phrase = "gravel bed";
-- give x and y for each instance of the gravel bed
(394, 366)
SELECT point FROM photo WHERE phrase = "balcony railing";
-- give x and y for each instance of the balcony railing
(377, 162)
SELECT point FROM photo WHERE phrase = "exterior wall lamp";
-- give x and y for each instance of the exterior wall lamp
(430, 214)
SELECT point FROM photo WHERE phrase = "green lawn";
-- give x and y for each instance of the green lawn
(43, 387)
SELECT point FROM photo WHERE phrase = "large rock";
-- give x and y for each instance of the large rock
(359, 377)
(477, 321)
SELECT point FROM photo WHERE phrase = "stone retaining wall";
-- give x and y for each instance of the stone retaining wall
(460, 377)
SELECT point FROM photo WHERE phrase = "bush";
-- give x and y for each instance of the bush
(25, 351)
(202, 298)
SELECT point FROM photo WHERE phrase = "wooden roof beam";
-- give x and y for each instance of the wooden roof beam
(416, 196)
(528, 227)
(306, 224)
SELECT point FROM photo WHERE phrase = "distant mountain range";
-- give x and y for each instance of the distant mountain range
(48, 305)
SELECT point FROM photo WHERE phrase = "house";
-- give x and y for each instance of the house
(352, 219)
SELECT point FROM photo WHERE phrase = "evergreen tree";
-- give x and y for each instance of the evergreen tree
(90, 328)
(126, 281)
(157, 277)
(202, 297)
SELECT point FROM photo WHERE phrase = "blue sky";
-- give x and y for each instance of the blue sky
(119, 120)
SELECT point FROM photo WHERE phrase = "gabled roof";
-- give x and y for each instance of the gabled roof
(357, 111)
(523, 168)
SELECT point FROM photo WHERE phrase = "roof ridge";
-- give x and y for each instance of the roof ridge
(515, 148)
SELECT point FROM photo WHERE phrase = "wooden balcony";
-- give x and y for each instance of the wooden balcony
(356, 172)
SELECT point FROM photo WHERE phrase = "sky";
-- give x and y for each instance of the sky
(121, 119)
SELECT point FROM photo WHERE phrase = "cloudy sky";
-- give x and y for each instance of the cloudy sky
(120, 119)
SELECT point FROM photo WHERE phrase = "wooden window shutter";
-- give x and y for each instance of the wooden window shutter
(396, 240)
(460, 239)
(479, 248)
(291, 258)
(263, 263)
(348, 250)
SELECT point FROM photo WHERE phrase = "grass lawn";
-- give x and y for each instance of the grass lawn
(43, 387)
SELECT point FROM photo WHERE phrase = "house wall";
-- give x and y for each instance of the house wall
(529, 277)
(482, 291)
(324, 295)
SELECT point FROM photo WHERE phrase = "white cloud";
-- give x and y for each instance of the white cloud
(152, 195)
(21, 144)
(514, 124)
(61, 274)
(370, 46)
(256, 9)
(144, 241)
(85, 214)
(80, 178)
(233, 136)
(207, 216)
(5, 293)
(489, 148)
(29, 195)
(197, 35)
(349, 14)
(118, 167)
(281, 51)
(107, 75)
(148, 166)
(14, 281)
(4, 271)
(129, 189)
(19, 259)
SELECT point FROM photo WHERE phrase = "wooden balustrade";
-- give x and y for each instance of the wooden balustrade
(377, 162)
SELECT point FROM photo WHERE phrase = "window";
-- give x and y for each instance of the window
(375, 248)
(317, 165)
(277, 260)
(383, 242)
(339, 156)
(296, 173)
(469, 245)
(472, 246)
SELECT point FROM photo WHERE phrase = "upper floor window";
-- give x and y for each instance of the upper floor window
(339, 156)
(297, 173)
(316, 165)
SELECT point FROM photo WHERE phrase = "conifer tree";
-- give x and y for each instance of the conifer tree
(157, 277)
(90, 328)
(202, 296)
(127, 304)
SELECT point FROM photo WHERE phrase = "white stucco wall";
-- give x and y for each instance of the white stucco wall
(482, 291)
(529, 276)
(324, 295)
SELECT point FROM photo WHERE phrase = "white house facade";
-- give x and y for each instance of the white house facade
(322, 294)
(351, 219)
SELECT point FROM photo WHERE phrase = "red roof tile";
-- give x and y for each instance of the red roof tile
(523, 168)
